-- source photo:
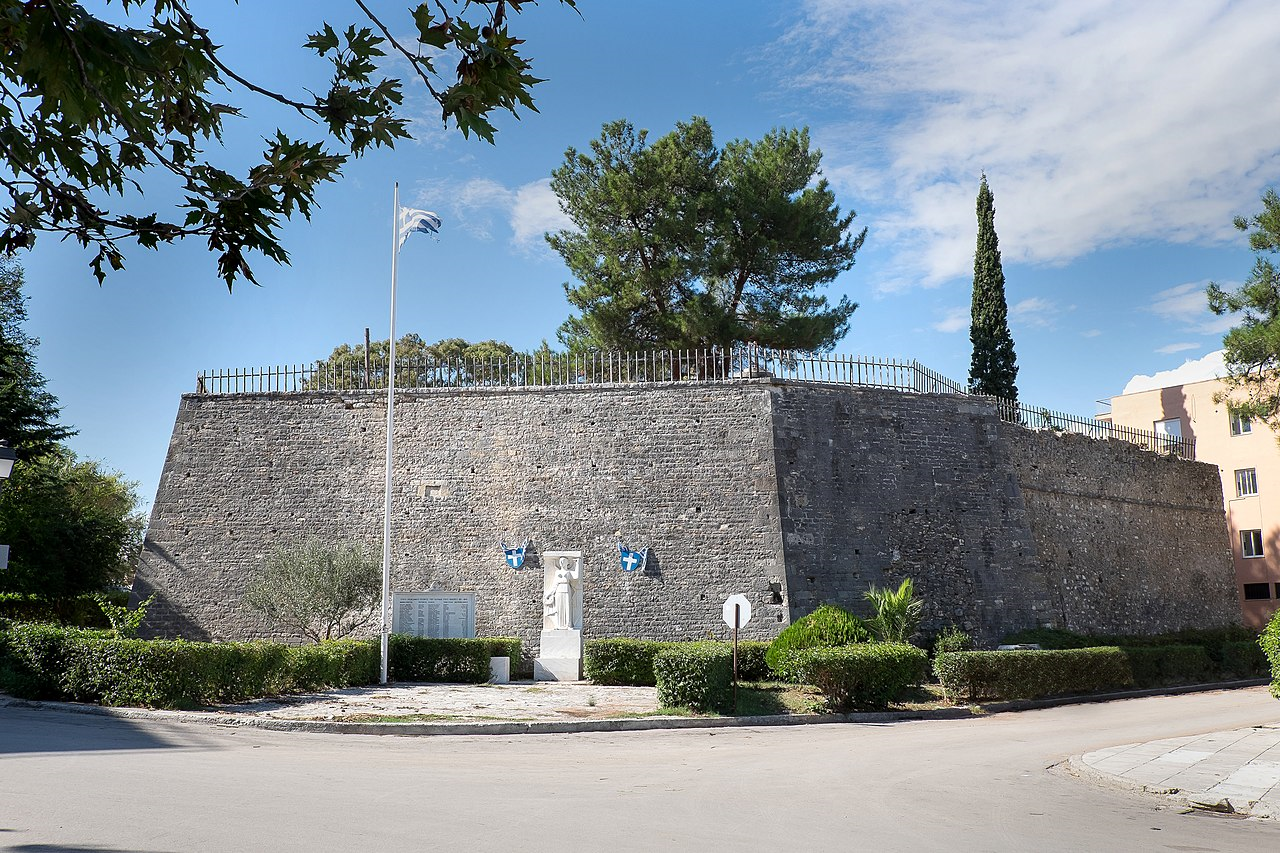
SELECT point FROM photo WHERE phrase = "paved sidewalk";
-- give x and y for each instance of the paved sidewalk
(1234, 771)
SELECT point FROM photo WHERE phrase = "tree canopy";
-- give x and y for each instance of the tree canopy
(28, 413)
(679, 244)
(321, 591)
(88, 106)
(1252, 348)
(418, 363)
(993, 369)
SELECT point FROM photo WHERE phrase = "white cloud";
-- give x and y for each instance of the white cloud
(528, 210)
(1208, 367)
(1034, 312)
(1186, 305)
(953, 320)
(1098, 122)
(1091, 333)
(1170, 349)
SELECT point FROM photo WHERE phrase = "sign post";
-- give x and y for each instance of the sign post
(737, 612)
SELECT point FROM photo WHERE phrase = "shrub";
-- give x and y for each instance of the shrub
(459, 661)
(952, 639)
(698, 676)
(1032, 674)
(49, 662)
(505, 647)
(622, 661)
(82, 611)
(1243, 659)
(1270, 644)
(1158, 666)
(898, 612)
(752, 665)
(828, 626)
(863, 675)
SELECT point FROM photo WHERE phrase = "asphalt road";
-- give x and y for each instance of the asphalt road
(73, 782)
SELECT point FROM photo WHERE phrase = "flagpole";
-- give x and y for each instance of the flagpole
(391, 409)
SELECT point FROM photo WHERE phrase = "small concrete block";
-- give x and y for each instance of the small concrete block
(557, 669)
(500, 670)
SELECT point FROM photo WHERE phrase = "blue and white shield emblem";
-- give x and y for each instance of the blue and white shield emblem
(632, 560)
(514, 556)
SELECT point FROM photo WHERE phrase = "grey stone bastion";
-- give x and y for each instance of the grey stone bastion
(794, 494)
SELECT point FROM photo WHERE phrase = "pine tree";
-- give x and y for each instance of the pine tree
(994, 367)
(28, 413)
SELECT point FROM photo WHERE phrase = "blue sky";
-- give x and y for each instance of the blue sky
(1119, 139)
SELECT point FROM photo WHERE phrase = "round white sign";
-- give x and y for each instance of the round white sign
(744, 609)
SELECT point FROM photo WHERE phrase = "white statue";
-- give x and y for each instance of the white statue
(557, 602)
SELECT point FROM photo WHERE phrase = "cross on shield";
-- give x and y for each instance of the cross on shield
(632, 560)
(514, 555)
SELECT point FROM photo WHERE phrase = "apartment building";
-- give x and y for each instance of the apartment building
(1247, 456)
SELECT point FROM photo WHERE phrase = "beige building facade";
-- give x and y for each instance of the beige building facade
(1248, 459)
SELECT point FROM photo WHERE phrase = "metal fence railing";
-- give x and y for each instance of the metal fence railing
(353, 372)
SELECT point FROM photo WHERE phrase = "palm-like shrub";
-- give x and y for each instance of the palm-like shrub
(898, 612)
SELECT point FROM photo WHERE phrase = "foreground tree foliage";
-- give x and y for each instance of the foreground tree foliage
(994, 367)
(28, 413)
(679, 244)
(72, 527)
(88, 106)
(1252, 348)
(320, 591)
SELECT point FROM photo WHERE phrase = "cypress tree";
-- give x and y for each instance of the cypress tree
(994, 368)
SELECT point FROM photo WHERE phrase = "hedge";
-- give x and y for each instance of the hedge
(698, 676)
(40, 661)
(862, 675)
(1270, 644)
(1221, 644)
(622, 661)
(1161, 666)
(1244, 659)
(1032, 674)
(460, 661)
(752, 663)
(827, 626)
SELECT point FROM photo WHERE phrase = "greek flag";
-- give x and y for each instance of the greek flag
(632, 560)
(417, 220)
(514, 556)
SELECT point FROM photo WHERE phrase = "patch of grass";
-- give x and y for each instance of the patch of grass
(414, 718)
(921, 697)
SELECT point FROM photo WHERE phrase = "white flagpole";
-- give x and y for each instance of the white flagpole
(391, 408)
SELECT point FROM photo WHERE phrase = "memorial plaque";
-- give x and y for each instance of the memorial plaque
(434, 614)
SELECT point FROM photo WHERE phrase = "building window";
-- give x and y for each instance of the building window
(1246, 482)
(1240, 424)
(1257, 592)
(1251, 543)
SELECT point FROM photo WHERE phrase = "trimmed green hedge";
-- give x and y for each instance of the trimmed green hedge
(1270, 645)
(827, 626)
(1244, 659)
(1163, 666)
(862, 675)
(40, 661)
(621, 660)
(698, 676)
(752, 662)
(1032, 674)
(456, 661)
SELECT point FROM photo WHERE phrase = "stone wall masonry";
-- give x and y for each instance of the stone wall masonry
(686, 471)
(792, 493)
(1133, 541)
(877, 486)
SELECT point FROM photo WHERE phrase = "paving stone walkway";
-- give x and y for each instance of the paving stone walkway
(1231, 771)
(514, 702)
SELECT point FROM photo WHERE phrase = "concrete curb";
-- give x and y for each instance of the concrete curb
(634, 724)
(1190, 800)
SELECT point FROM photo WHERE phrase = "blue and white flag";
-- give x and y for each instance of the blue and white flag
(632, 560)
(514, 556)
(417, 220)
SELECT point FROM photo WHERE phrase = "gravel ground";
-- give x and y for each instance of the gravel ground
(517, 701)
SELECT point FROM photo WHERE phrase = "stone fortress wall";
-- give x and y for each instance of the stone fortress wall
(792, 493)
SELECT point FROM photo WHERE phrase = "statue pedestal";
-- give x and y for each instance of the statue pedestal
(559, 656)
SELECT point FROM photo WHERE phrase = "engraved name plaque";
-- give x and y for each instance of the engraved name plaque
(434, 614)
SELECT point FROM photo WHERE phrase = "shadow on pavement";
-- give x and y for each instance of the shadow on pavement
(33, 730)
(74, 848)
